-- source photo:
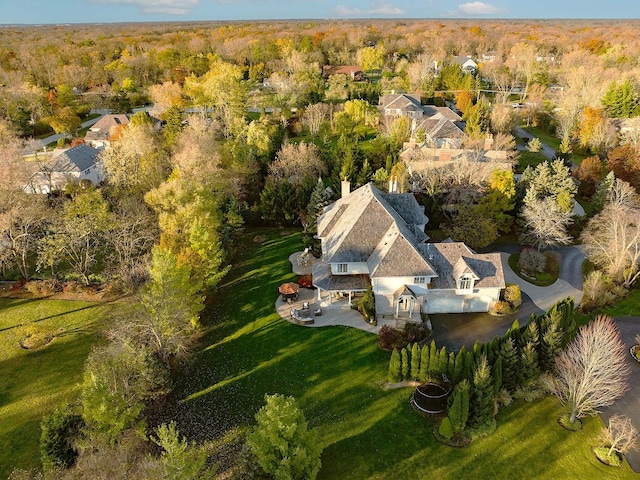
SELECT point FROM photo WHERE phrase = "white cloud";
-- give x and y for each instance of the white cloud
(376, 9)
(474, 9)
(167, 7)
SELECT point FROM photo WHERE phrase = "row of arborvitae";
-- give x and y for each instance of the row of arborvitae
(491, 374)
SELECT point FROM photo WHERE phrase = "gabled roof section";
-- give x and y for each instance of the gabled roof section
(397, 256)
(407, 207)
(76, 159)
(440, 127)
(353, 227)
(400, 101)
(101, 130)
(445, 259)
(462, 267)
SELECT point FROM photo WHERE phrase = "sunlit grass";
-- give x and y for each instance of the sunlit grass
(337, 375)
(36, 382)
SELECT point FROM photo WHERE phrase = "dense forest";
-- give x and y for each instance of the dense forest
(234, 125)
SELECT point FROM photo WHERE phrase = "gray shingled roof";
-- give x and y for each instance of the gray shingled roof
(440, 127)
(372, 227)
(76, 159)
(445, 256)
(353, 226)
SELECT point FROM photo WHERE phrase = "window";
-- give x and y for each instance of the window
(343, 268)
(466, 283)
(419, 280)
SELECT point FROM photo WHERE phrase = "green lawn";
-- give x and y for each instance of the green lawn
(337, 375)
(33, 383)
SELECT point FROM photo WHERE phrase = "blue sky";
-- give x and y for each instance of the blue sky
(90, 11)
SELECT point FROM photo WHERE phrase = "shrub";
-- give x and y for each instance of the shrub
(513, 295)
(532, 261)
(534, 145)
(368, 305)
(501, 307)
(43, 287)
(59, 430)
(445, 428)
(390, 338)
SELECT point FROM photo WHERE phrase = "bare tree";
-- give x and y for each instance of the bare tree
(294, 162)
(619, 435)
(592, 371)
(313, 117)
(612, 238)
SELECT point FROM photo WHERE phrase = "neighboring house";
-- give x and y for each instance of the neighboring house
(73, 165)
(370, 238)
(439, 125)
(354, 72)
(401, 104)
(466, 62)
(100, 133)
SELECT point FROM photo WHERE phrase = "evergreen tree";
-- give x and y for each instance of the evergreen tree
(415, 361)
(451, 365)
(496, 373)
(394, 375)
(459, 410)
(319, 199)
(458, 370)
(433, 360)
(443, 360)
(529, 367)
(481, 405)
(467, 372)
(404, 356)
(424, 364)
(550, 346)
(510, 365)
(281, 441)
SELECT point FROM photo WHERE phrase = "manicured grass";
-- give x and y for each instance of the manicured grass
(542, 279)
(36, 382)
(628, 306)
(337, 375)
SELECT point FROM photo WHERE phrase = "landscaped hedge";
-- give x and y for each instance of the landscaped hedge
(492, 372)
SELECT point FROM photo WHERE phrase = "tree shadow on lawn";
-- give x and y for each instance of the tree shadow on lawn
(401, 445)
(35, 383)
(225, 385)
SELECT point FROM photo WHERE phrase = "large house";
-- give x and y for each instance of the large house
(77, 164)
(376, 239)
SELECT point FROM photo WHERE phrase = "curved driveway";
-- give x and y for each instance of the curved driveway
(569, 283)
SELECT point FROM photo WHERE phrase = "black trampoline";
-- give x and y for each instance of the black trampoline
(431, 397)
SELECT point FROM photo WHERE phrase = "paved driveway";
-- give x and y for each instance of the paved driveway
(629, 405)
(455, 330)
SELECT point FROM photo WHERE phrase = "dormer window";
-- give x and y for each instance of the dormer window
(466, 283)
(343, 268)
